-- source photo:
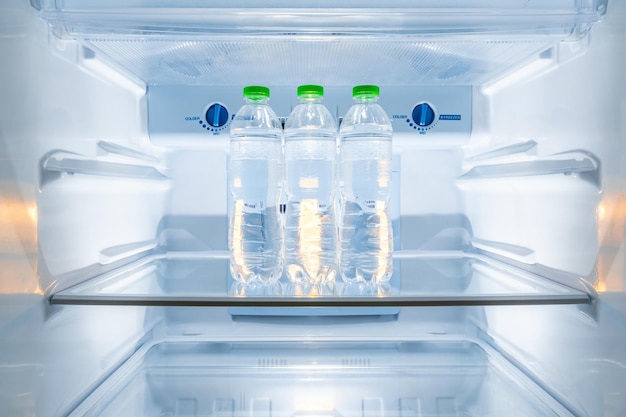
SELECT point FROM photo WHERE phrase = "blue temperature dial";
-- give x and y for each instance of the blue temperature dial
(216, 115)
(423, 115)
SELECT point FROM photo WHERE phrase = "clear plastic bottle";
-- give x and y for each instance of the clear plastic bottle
(310, 159)
(365, 233)
(255, 181)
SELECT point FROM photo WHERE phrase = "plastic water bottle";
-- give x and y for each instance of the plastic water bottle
(255, 181)
(310, 159)
(366, 236)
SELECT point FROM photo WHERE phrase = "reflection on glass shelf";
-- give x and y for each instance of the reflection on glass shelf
(290, 289)
(420, 279)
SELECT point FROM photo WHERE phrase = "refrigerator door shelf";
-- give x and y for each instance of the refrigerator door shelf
(349, 379)
(446, 278)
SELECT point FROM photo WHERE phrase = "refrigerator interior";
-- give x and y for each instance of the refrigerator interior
(508, 211)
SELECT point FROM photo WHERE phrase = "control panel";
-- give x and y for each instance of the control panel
(201, 115)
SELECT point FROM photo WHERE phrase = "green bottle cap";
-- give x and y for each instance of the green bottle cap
(256, 92)
(310, 91)
(366, 91)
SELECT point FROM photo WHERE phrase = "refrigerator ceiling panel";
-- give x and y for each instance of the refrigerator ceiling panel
(331, 42)
(289, 60)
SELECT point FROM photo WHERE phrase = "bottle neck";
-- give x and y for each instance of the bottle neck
(310, 100)
(256, 101)
(365, 99)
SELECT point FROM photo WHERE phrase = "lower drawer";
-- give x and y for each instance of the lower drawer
(439, 377)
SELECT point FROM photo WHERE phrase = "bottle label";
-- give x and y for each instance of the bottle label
(370, 204)
(374, 205)
(253, 207)
(250, 205)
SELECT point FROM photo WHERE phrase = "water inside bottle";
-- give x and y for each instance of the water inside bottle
(365, 228)
(310, 230)
(255, 224)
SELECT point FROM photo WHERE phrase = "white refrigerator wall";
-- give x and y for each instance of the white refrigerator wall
(58, 110)
(579, 105)
(48, 103)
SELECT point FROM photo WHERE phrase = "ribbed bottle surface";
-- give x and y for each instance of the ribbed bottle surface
(255, 180)
(310, 165)
(365, 231)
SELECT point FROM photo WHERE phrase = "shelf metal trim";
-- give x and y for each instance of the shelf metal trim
(370, 302)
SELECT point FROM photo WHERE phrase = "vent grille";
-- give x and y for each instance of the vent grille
(272, 362)
(356, 362)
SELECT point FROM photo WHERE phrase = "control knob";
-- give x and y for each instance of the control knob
(423, 115)
(216, 115)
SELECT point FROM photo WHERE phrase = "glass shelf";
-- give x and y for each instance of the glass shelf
(420, 279)
(284, 17)
(349, 379)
